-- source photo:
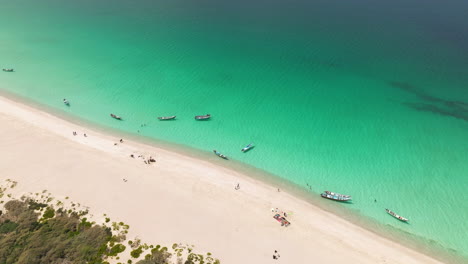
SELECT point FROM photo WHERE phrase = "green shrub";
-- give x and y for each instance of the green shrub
(35, 205)
(137, 252)
(7, 227)
(116, 249)
(49, 213)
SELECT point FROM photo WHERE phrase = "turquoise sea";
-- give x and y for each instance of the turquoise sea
(368, 98)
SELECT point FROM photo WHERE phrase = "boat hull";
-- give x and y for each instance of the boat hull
(163, 118)
(116, 117)
(247, 148)
(220, 155)
(203, 117)
(399, 217)
(335, 198)
(337, 194)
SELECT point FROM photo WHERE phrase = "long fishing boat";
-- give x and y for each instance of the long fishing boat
(248, 147)
(220, 155)
(116, 117)
(335, 197)
(166, 117)
(337, 194)
(8, 70)
(401, 218)
(202, 117)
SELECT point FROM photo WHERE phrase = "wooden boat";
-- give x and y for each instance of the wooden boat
(401, 218)
(248, 147)
(116, 117)
(8, 70)
(166, 117)
(335, 197)
(66, 102)
(337, 194)
(203, 117)
(220, 155)
(282, 220)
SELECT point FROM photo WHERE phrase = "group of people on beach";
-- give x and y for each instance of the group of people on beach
(276, 255)
(276, 210)
(146, 161)
(75, 134)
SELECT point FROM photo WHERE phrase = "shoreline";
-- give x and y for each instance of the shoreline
(106, 137)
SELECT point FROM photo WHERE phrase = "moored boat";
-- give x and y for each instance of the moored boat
(335, 197)
(248, 147)
(8, 70)
(401, 218)
(203, 117)
(220, 155)
(116, 116)
(66, 102)
(337, 194)
(166, 117)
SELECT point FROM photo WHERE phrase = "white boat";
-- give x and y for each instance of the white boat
(220, 155)
(203, 117)
(401, 218)
(335, 197)
(337, 194)
(66, 102)
(166, 117)
(248, 147)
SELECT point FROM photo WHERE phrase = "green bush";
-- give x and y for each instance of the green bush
(53, 241)
(116, 249)
(35, 205)
(137, 252)
(49, 213)
(7, 227)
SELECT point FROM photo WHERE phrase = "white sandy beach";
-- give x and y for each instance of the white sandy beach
(179, 198)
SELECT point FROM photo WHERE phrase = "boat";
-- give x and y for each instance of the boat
(337, 194)
(166, 117)
(116, 116)
(248, 147)
(335, 197)
(8, 70)
(220, 155)
(66, 102)
(203, 117)
(401, 218)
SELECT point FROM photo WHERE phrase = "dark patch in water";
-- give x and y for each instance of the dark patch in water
(438, 110)
(432, 104)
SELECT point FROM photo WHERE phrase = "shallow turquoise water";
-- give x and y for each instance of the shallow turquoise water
(365, 98)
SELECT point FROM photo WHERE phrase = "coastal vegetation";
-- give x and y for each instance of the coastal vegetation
(33, 230)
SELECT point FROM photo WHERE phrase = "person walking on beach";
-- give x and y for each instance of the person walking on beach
(276, 255)
(237, 187)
